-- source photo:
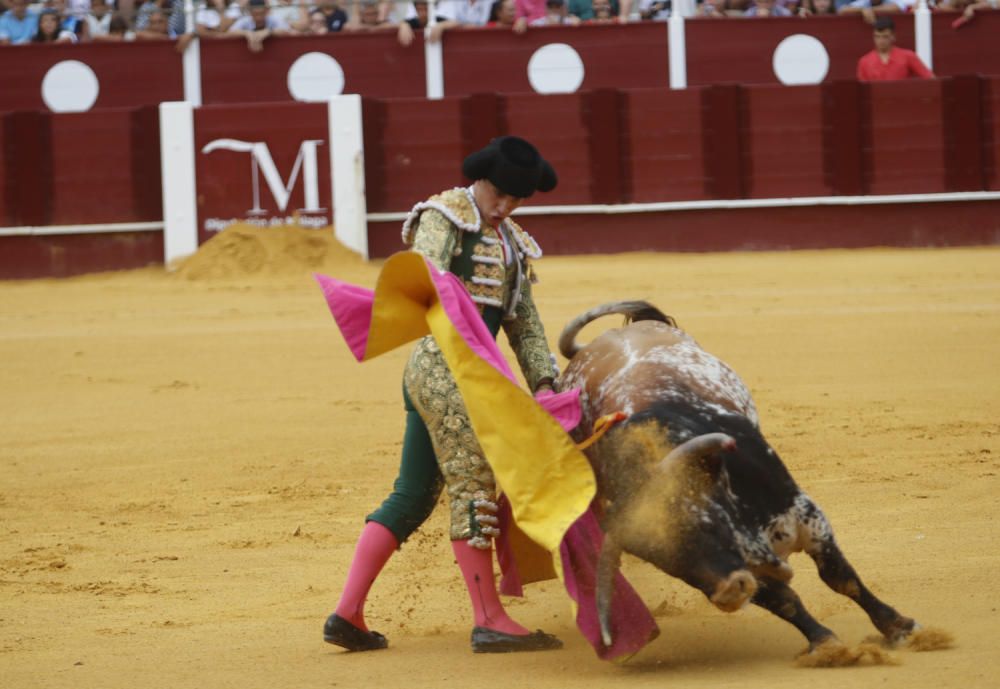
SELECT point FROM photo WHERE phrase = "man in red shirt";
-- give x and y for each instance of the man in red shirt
(887, 62)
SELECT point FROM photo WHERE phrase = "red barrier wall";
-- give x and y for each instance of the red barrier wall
(662, 139)
(609, 147)
(972, 49)
(904, 140)
(991, 133)
(750, 229)
(740, 50)
(129, 75)
(783, 135)
(5, 184)
(559, 121)
(81, 168)
(614, 56)
(408, 145)
(374, 65)
(105, 167)
(484, 60)
(75, 254)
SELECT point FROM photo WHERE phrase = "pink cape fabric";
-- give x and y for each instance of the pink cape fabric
(632, 624)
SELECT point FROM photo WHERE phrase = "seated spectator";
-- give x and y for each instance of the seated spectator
(388, 11)
(118, 30)
(365, 17)
(157, 27)
(711, 8)
(317, 24)
(767, 8)
(258, 26)
(811, 8)
(529, 10)
(214, 19)
(466, 12)
(556, 15)
(294, 13)
(18, 24)
(50, 31)
(585, 9)
(869, 8)
(173, 10)
(335, 16)
(503, 13)
(98, 19)
(78, 8)
(601, 12)
(657, 10)
(69, 21)
(416, 20)
(888, 62)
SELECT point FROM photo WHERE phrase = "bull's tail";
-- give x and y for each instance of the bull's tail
(632, 310)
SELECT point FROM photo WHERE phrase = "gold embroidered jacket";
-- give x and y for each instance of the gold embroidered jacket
(448, 230)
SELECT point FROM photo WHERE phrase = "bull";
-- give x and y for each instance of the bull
(687, 481)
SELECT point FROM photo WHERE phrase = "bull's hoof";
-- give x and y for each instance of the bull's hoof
(735, 591)
(899, 631)
(827, 642)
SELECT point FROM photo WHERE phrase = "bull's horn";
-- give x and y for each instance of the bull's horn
(608, 563)
(699, 447)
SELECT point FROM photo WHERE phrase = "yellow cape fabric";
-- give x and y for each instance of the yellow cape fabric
(548, 481)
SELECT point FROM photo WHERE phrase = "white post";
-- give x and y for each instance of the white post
(347, 172)
(180, 213)
(433, 57)
(677, 47)
(922, 27)
(191, 61)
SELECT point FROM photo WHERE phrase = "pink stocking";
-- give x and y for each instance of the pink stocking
(375, 546)
(477, 569)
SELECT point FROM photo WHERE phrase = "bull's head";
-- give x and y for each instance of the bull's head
(682, 521)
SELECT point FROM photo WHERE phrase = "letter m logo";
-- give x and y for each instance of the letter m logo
(261, 163)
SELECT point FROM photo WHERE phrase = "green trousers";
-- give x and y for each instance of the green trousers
(420, 481)
(418, 485)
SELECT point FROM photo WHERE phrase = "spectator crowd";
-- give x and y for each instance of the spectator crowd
(71, 21)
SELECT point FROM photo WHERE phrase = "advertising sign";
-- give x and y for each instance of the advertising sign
(267, 166)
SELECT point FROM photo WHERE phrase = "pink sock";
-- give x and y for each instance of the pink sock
(375, 546)
(477, 569)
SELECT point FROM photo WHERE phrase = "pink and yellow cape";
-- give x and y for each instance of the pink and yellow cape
(545, 479)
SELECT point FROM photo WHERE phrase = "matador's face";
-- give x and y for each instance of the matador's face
(494, 204)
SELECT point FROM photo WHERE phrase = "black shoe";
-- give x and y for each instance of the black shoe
(491, 641)
(340, 632)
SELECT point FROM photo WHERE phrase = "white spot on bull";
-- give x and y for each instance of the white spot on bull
(681, 372)
(803, 526)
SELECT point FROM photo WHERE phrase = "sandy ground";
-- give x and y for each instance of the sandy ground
(185, 464)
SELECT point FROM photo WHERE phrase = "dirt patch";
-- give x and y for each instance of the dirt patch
(201, 455)
(242, 251)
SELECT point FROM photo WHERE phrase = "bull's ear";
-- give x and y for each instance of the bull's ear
(703, 451)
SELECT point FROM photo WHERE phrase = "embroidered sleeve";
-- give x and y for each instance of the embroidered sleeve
(435, 238)
(527, 338)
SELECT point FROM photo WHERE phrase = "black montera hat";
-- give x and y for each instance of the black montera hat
(513, 165)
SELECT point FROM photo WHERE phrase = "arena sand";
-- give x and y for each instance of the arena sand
(186, 460)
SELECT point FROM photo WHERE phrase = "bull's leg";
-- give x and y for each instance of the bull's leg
(840, 576)
(779, 598)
